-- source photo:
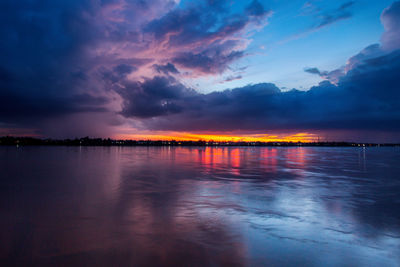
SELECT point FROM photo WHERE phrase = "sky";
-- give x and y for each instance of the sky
(207, 69)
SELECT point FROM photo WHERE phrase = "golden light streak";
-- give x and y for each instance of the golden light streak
(183, 136)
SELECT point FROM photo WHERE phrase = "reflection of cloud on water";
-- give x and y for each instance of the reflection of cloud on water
(221, 206)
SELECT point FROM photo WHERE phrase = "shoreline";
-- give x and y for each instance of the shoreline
(86, 141)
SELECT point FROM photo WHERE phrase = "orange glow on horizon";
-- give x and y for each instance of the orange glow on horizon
(179, 136)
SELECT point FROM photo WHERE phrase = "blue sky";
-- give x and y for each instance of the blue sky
(280, 51)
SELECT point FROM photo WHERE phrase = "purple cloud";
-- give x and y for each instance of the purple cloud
(391, 21)
(206, 37)
(166, 69)
(356, 102)
(127, 60)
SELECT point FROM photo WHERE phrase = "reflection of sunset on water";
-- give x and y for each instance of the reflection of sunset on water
(268, 159)
(234, 156)
(215, 158)
(197, 205)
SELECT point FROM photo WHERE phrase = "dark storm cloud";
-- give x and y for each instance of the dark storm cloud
(42, 44)
(116, 73)
(332, 76)
(365, 98)
(203, 22)
(14, 108)
(124, 69)
(159, 96)
(209, 61)
(55, 56)
(166, 69)
(207, 30)
(59, 58)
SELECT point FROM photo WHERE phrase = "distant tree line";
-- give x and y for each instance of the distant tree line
(87, 141)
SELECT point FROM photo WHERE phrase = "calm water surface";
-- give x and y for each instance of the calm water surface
(139, 206)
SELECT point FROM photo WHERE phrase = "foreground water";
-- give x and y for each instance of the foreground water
(139, 206)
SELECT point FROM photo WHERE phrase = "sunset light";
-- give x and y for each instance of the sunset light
(179, 136)
(200, 133)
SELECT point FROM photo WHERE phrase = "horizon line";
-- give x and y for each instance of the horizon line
(97, 141)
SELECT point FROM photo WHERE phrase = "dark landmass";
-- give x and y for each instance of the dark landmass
(87, 141)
